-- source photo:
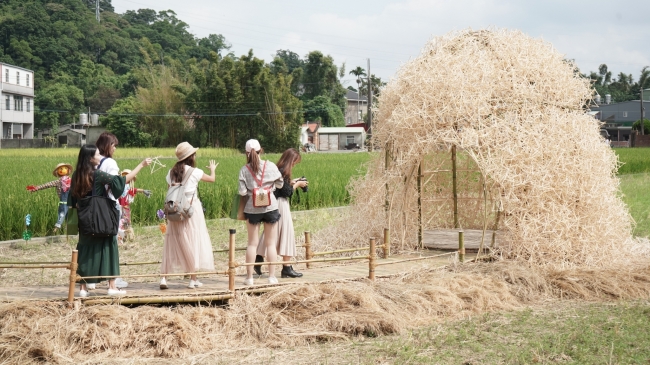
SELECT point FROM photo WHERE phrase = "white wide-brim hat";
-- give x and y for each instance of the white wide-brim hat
(185, 150)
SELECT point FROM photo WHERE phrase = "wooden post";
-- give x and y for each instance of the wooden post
(231, 261)
(496, 227)
(386, 161)
(308, 254)
(461, 246)
(454, 185)
(419, 182)
(73, 276)
(371, 260)
(386, 243)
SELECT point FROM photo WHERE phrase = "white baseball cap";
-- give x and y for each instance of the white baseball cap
(253, 144)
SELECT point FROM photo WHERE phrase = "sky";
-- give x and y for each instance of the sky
(390, 33)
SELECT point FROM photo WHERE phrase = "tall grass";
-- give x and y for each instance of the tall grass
(328, 175)
(635, 160)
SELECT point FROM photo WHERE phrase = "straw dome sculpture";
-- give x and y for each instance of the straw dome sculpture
(517, 110)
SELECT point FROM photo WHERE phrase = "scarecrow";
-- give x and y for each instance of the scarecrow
(125, 229)
(62, 172)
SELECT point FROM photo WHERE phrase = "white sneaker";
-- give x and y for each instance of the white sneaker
(83, 293)
(119, 283)
(195, 284)
(163, 284)
(116, 292)
(248, 281)
(90, 286)
(273, 280)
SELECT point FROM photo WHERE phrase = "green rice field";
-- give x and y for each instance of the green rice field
(328, 175)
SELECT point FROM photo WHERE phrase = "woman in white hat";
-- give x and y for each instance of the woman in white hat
(187, 243)
(258, 180)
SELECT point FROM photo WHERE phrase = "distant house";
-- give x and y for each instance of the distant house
(619, 117)
(17, 98)
(332, 138)
(357, 107)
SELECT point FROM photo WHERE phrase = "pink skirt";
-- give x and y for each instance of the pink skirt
(187, 245)
(286, 245)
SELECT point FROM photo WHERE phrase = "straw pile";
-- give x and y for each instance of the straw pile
(298, 314)
(517, 109)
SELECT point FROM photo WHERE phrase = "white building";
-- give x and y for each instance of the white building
(16, 102)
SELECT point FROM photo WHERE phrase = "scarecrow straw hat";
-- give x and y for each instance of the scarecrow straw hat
(62, 165)
(185, 150)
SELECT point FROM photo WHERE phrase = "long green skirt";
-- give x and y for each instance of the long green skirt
(98, 256)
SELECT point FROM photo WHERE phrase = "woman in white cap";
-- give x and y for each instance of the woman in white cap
(187, 245)
(258, 180)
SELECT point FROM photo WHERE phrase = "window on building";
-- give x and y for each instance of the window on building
(349, 139)
(7, 102)
(29, 104)
(63, 139)
(18, 103)
(7, 75)
(17, 78)
(624, 114)
(27, 80)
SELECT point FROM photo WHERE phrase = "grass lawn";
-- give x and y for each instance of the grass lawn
(559, 333)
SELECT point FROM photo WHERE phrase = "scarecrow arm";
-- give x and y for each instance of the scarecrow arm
(146, 193)
(51, 184)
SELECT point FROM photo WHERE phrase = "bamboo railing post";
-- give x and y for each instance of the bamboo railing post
(454, 184)
(386, 161)
(308, 253)
(73, 276)
(461, 246)
(371, 260)
(231, 261)
(386, 243)
(419, 182)
(496, 227)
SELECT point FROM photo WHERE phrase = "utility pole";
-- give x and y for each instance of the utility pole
(369, 102)
(641, 103)
(97, 10)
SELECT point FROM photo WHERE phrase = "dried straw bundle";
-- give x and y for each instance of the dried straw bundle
(297, 315)
(516, 107)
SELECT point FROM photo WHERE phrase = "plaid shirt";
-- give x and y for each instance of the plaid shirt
(53, 184)
(272, 178)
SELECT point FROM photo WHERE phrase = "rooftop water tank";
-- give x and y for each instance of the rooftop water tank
(597, 99)
(94, 119)
(608, 98)
(83, 119)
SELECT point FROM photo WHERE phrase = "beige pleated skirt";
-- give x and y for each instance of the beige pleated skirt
(286, 236)
(187, 245)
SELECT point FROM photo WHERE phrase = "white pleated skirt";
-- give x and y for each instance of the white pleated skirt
(286, 245)
(187, 245)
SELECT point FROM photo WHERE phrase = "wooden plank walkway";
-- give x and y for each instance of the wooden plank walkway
(217, 285)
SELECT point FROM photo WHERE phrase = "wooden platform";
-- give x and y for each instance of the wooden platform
(218, 285)
(447, 239)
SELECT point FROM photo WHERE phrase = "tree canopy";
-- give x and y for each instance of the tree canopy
(155, 84)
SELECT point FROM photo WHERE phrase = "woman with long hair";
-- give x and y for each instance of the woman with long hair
(257, 174)
(107, 144)
(98, 256)
(187, 245)
(286, 243)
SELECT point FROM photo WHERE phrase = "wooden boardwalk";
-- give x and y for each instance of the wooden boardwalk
(218, 285)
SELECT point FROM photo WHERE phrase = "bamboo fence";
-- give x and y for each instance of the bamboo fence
(72, 265)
